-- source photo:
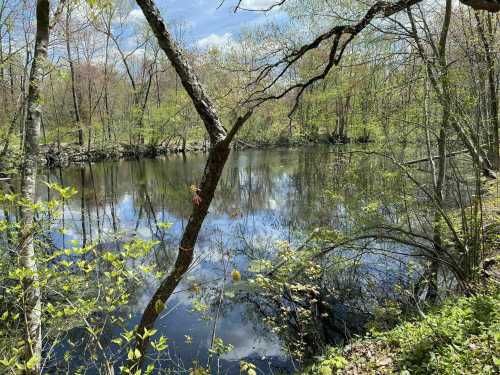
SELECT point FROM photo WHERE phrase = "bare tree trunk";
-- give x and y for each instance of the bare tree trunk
(106, 83)
(24, 89)
(433, 290)
(11, 72)
(220, 148)
(438, 75)
(74, 95)
(10, 131)
(492, 88)
(136, 98)
(2, 61)
(31, 291)
(441, 86)
(143, 106)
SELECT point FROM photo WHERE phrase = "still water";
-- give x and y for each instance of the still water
(263, 197)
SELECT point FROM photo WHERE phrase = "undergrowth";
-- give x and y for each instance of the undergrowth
(460, 337)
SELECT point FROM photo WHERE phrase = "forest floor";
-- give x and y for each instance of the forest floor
(462, 336)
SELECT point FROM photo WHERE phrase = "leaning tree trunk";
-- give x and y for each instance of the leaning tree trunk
(219, 152)
(31, 301)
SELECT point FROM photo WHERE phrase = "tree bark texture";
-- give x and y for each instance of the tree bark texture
(31, 290)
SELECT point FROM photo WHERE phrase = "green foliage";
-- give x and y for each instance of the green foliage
(460, 337)
(248, 368)
(331, 363)
(79, 284)
(219, 347)
(293, 286)
(385, 316)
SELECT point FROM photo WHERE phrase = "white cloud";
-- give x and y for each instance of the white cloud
(223, 42)
(249, 344)
(258, 4)
(136, 16)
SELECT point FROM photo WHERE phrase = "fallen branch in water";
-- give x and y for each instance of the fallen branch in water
(437, 156)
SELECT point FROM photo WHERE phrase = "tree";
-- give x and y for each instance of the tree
(487, 36)
(438, 74)
(220, 141)
(32, 304)
(31, 297)
(74, 94)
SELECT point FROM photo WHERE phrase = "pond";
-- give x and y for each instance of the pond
(264, 196)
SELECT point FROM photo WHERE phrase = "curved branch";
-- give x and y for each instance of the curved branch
(340, 35)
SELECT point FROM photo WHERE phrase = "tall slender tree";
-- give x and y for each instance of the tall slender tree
(487, 35)
(31, 300)
(72, 72)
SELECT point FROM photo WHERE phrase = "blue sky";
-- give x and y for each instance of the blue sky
(209, 25)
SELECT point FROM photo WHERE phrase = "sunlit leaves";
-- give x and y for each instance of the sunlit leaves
(164, 225)
(219, 347)
(160, 344)
(159, 306)
(64, 192)
(79, 283)
(260, 265)
(139, 248)
(291, 285)
(198, 306)
(198, 371)
(32, 362)
(133, 354)
(248, 368)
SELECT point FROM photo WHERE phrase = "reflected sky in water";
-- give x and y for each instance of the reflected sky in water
(263, 196)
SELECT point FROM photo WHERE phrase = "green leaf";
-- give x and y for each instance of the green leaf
(137, 353)
(130, 355)
(33, 362)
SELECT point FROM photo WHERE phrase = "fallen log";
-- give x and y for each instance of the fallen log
(454, 153)
(245, 144)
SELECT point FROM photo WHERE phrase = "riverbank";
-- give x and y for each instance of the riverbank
(460, 336)
(54, 155)
(63, 155)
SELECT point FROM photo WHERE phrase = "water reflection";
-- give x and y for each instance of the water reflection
(263, 196)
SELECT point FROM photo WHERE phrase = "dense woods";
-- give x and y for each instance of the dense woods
(369, 132)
